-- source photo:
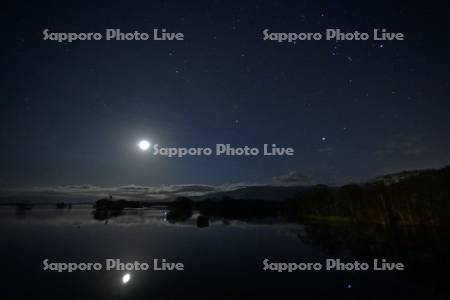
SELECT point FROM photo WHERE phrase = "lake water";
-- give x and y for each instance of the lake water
(223, 260)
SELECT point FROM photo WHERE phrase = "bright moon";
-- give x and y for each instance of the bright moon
(126, 278)
(144, 145)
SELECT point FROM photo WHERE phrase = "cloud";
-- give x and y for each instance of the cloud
(292, 178)
(87, 191)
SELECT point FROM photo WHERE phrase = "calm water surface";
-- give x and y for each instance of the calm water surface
(222, 261)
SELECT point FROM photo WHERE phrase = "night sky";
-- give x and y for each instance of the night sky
(72, 113)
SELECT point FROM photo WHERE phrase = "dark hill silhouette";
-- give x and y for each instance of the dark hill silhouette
(421, 199)
(407, 198)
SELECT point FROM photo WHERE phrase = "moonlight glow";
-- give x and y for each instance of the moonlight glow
(126, 278)
(144, 145)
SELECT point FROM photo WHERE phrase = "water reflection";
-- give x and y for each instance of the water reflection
(217, 250)
(126, 278)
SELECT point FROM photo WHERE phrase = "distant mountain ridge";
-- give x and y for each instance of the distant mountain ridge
(270, 192)
(264, 192)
